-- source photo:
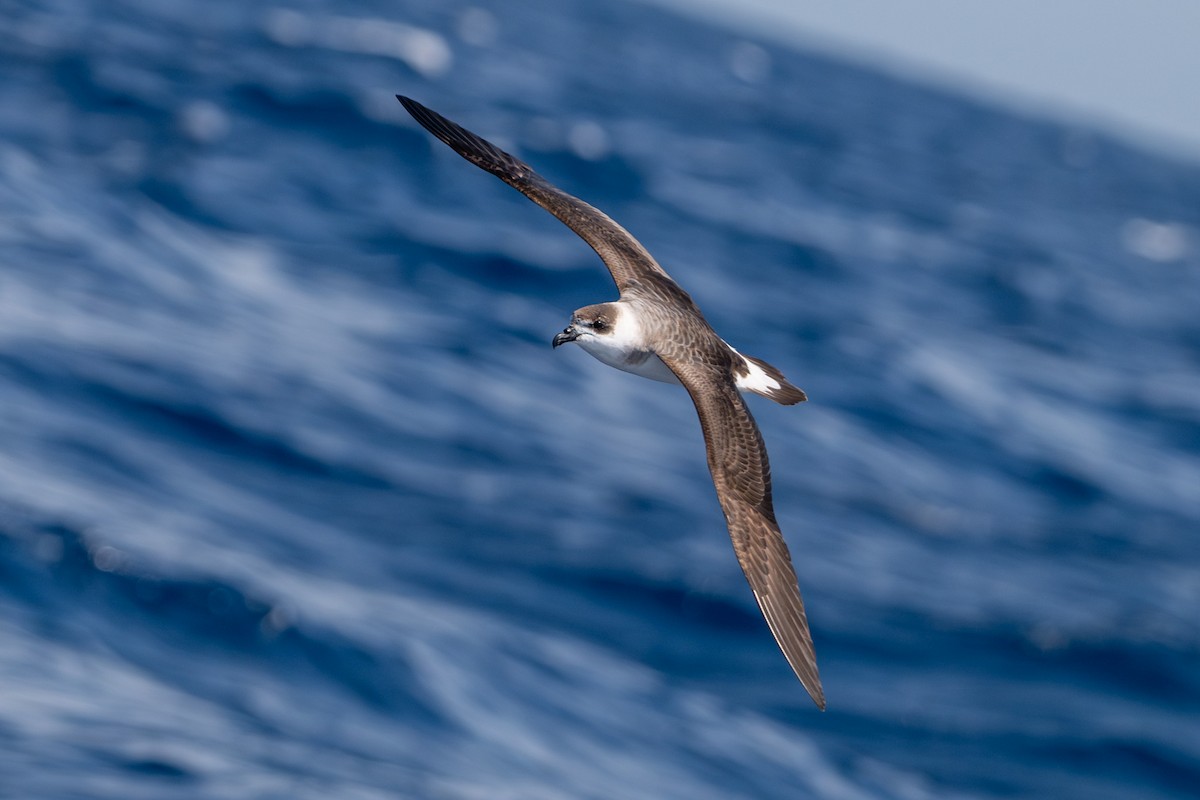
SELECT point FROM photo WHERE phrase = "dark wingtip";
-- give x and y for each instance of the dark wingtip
(816, 691)
(476, 149)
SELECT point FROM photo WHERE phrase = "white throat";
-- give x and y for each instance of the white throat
(624, 347)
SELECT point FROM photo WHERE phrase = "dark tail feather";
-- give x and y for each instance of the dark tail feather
(786, 394)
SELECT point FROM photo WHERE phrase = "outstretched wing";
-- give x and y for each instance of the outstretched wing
(737, 459)
(631, 266)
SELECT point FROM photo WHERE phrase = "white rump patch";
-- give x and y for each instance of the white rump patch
(757, 381)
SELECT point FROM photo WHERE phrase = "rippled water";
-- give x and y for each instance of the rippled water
(297, 501)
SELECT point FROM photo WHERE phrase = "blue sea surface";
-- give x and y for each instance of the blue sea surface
(297, 501)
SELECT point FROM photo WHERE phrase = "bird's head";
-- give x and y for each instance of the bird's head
(589, 323)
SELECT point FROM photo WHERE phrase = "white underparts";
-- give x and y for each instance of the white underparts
(625, 348)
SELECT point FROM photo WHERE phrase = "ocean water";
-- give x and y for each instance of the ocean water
(296, 501)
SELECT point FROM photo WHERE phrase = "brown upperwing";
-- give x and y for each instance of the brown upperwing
(737, 459)
(631, 266)
(736, 455)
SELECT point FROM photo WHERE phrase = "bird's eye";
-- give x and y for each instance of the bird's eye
(600, 325)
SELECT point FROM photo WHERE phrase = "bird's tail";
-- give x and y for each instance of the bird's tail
(762, 378)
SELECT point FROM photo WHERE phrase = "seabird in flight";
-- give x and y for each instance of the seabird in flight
(656, 331)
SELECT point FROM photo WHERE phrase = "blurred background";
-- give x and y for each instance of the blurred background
(296, 501)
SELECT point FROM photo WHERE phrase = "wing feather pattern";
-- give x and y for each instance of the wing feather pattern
(737, 459)
(631, 266)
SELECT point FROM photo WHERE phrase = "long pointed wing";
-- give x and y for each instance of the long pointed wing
(737, 459)
(631, 266)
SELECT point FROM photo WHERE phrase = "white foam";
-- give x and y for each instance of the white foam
(1155, 241)
(423, 50)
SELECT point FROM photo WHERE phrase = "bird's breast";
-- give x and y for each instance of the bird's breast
(638, 361)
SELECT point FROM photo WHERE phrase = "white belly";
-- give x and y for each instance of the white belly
(620, 352)
(641, 363)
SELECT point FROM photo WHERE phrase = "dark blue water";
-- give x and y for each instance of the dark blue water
(296, 501)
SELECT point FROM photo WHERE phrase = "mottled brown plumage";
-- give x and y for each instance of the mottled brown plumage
(660, 322)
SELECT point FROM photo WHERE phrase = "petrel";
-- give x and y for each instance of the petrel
(655, 330)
